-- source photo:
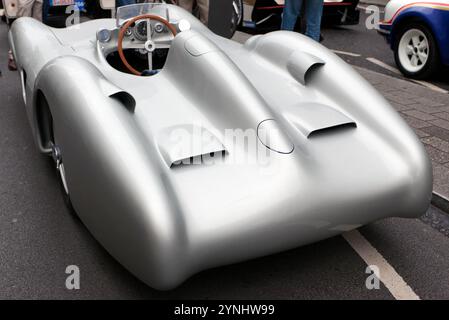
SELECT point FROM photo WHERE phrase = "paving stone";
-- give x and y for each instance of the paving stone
(415, 123)
(441, 174)
(437, 132)
(428, 109)
(420, 115)
(429, 102)
(437, 143)
(400, 107)
(421, 134)
(438, 156)
(441, 123)
(442, 115)
(441, 179)
(401, 100)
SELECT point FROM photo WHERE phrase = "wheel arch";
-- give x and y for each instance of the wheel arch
(409, 18)
(44, 122)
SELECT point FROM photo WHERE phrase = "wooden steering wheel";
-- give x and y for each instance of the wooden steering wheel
(150, 46)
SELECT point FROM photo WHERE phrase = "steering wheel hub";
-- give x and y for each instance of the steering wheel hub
(150, 46)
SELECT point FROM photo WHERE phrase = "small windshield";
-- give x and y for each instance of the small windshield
(127, 12)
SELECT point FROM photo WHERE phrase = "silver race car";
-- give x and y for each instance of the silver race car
(181, 150)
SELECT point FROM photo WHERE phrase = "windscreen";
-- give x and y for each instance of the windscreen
(127, 12)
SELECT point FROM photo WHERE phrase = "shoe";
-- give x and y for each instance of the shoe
(11, 62)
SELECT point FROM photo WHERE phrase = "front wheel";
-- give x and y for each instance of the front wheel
(61, 173)
(416, 51)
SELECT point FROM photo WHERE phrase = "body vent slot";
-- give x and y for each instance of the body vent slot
(203, 159)
(314, 118)
(185, 145)
(332, 130)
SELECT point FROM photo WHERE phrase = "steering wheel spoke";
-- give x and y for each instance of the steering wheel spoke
(162, 45)
(149, 29)
(150, 60)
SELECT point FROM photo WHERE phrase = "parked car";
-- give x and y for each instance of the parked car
(181, 150)
(418, 33)
(266, 15)
(55, 12)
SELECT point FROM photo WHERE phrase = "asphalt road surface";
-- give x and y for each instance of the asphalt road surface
(39, 238)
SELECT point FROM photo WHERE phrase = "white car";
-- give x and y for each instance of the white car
(418, 33)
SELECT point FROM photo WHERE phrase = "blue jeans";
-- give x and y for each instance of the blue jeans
(314, 11)
(120, 3)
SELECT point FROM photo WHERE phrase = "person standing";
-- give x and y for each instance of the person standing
(313, 12)
(26, 8)
(203, 6)
(121, 3)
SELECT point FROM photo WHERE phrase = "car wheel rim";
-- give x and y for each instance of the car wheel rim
(57, 158)
(413, 50)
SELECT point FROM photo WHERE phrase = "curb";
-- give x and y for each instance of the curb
(440, 202)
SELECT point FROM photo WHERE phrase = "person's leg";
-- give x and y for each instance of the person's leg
(314, 12)
(292, 10)
(37, 10)
(186, 4)
(120, 3)
(45, 11)
(25, 8)
(203, 5)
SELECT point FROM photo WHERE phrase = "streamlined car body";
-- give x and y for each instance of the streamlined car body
(181, 150)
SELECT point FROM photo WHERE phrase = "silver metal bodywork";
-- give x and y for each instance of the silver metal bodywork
(345, 159)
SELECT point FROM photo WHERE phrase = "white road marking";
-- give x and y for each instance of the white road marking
(364, 8)
(383, 65)
(396, 71)
(389, 277)
(346, 53)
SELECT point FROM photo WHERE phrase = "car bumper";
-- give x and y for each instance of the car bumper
(384, 29)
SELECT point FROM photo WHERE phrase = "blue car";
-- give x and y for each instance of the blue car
(418, 33)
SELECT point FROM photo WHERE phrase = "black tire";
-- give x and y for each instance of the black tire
(237, 15)
(433, 61)
(47, 130)
(64, 192)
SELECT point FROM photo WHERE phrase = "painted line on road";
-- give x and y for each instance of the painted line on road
(365, 7)
(387, 274)
(396, 71)
(346, 53)
(383, 65)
